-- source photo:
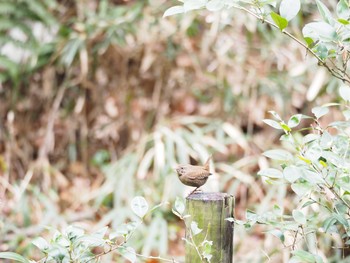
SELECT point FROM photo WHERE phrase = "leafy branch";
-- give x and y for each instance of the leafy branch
(75, 246)
(336, 72)
(326, 40)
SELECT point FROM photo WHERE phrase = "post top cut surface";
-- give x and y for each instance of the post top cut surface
(207, 196)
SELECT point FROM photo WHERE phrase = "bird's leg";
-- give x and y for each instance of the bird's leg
(195, 190)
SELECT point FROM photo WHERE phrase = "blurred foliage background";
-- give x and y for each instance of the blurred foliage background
(99, 100)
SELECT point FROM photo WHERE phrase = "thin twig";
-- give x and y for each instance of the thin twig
(158, 258)
(295, 239)
(320, 61)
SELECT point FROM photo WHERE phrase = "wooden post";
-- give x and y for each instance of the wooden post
(209, 211)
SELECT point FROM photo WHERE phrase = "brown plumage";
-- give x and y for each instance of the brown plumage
(194, 175)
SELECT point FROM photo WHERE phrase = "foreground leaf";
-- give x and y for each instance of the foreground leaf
(281, 22)
(195, 229)
(139, 206)
(289, 9)
(271, 173)
(299, 217)
(179, 205)
(279, 155)
(319, 111)
(307, 257)
(128, 253)
(13, 256)
(344, 92)
(174, 11)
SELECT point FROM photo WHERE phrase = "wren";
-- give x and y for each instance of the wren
(194, 175)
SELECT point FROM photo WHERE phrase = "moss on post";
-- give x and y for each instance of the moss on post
(209, 211)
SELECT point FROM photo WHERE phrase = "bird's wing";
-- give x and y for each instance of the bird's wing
(198, 174)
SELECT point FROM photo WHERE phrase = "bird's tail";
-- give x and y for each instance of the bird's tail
(207, 164)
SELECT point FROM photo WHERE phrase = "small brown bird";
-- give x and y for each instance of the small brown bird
(194, 175)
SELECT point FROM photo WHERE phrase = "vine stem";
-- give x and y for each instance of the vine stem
(320, 61)
(158, 258)
(330, 187)
(192, 240)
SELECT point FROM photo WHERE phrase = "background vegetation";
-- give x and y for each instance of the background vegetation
(99, 100)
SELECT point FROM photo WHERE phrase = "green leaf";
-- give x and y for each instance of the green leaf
(128, 253)
(90, 241)
(174, 10)
(41, 243)
(305, 257)
(299, 217)
(291, 225)
(312, 177)
(325, 13)
(194, 4)
(263, 2)
(343, 9)
(276, 115)
(179, 205)
(9, 66)
(206, 248)
(63, 241)
(340, 124)
(100, 157)
(291, 173)
(251, 216)
(295, 120)
(13, 256)
(344, 22)
(346, 114)
(319, 111)
(277, 210)
(271, 173)
(310, 42)
(304, 159)
(344, 92)
(285, 127)
(7, 8)
(333, 158)
(280, 155)
(308, 203)
(322, 51)
(71, 50)
(273, 124)
(310, 138)
(139, 206)
(326, 140)
(73, 232)
(281, 22)
(320, 31)
(101, 232)
(341, 220)
(301, 188)
(288, 138)
(289, 9)
(194, 228)
(313, 153)
(277, 233)
(121, 231)
(215, 5)
(41, 11)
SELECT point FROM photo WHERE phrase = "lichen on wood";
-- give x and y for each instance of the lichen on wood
(209, 211)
